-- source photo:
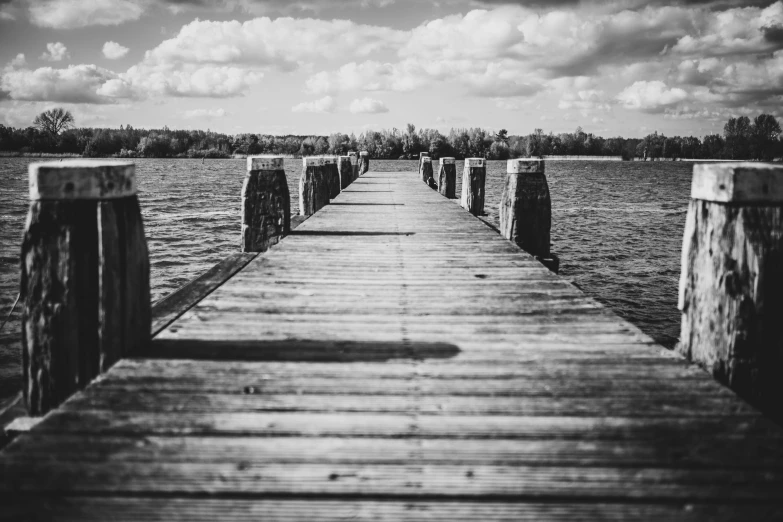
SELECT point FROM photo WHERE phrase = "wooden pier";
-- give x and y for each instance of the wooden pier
(395, 358)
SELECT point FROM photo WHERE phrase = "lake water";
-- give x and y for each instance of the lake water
(617, 227)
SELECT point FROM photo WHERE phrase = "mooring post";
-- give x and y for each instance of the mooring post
(85, 283)
(422, 155)
(355, 163)
(364, 162)
(332, 173)
(313, 188)
(731, 284)
(346, 171)
(474, 177)
(266, 204)
(526, 209)
(447, 178)
(426, 172)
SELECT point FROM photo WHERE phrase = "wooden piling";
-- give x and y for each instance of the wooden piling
(731, 284)
(266, 204)
(447, 178)
(355, 163)
(313, 188)
(474, 177)
(364, 162)
(425, 172)
(345, 170)
(85, 288)
(422, 155)
(526, 209)
(332, 174)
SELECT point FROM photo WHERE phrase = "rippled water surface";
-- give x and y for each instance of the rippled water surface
(616, 226)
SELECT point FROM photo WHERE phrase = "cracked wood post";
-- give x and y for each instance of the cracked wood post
(426, 172)
(332, 173)
(447, 178)
(474, 177)
(423, 155)
(526, 209)
(364, 162)
(266, 204)
(85, 287)
(313, 188)
(731, 284)
(346, 171)
(355, 162)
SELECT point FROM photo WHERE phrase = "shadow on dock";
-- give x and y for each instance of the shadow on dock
(297, 350)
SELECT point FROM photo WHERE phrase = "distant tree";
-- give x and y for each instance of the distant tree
(764, 136)
(737, 132)
(502, 135)
(54, 121)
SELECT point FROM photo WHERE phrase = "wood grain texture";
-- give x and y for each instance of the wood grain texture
(445, 374)
(313, 190)
(345, 168)
(85, 294)
(526, 210)
(447, 180)
(165, 311)
(473, 180)
(266, 209)
(364, 163)
(731, 296)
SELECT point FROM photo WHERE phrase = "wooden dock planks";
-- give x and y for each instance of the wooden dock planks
(395, 359)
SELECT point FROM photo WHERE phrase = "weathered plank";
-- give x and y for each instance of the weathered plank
(168, 309)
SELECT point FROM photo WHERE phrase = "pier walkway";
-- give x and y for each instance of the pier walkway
(396, 359)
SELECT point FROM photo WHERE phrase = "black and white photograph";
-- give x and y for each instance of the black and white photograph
(391, 260)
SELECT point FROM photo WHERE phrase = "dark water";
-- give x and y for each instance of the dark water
(616, 226)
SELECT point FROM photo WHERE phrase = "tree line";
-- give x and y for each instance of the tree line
(54, 132)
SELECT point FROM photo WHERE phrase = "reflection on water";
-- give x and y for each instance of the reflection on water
(616, 226)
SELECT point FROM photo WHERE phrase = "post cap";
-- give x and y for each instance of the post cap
(524, 165)
(266, 162)
(447, 161)
(312, 161)
(474, 162)
(426, 159)
(364, 153)
(82, 179)
(330, 160)
(352, 153)
(740, 182)
(423, 154)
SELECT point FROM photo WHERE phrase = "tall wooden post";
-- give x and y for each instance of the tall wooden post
(526, 209)
(422, 155)
(346, 171)
(313, 188)
(474, 177)
(447, 178)
(364, 162)
(332, 174)
(731, 284)
(355, 162)
(426, 172)
(266, 204)
(85, 287)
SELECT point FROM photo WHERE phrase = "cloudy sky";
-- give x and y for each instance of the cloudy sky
(624, 67)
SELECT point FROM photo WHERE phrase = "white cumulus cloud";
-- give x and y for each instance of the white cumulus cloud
(325, 104)
(70, 14)
(650, 96)
(55, 52)
(75, 84)
(114, 51)
(367, 106)
(204, 114)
